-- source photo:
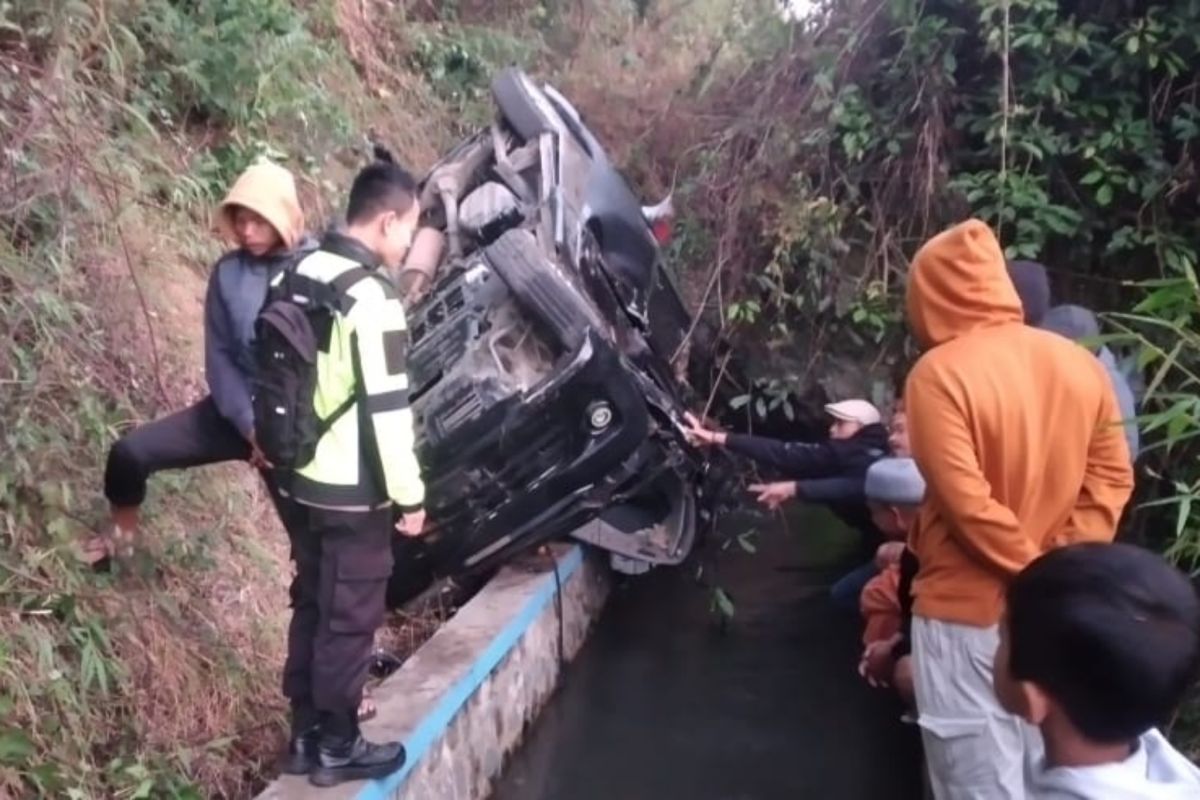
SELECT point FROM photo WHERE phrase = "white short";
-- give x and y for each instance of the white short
(975, 750)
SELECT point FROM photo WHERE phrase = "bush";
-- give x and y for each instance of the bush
(232, 62)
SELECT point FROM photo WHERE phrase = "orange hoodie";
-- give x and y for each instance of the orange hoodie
(1014, 429)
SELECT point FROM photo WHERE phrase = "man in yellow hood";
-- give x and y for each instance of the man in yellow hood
(1015, 432)
(261, 220)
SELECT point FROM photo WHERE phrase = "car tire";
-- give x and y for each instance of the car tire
(540, 288)
(527, 115)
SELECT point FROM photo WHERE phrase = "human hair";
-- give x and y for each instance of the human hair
(1110, 632)
(380, 187)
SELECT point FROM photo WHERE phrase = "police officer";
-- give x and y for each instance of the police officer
(364, 465)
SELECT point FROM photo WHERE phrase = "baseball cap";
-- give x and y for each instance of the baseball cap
(859, 411)
(895, 482)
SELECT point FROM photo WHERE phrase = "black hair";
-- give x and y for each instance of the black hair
(379, 187)
(1110, 631)
(1032, 283)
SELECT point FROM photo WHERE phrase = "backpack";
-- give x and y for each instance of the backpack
(296, 319)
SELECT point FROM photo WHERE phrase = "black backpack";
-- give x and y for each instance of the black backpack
(293, 326)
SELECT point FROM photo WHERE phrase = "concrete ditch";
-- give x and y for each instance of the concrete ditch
(463, 701)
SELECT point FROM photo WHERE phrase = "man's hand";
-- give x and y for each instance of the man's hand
(877, 663)
(889, 554)
(257, 459)
(412, 524)
(773, 495)
(701, 436)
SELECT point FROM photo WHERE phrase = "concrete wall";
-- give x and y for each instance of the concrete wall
(462, 702)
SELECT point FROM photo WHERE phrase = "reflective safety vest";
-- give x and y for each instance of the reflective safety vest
(365, 460)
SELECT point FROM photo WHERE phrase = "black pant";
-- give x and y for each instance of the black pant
(343, 561)
(193, 437)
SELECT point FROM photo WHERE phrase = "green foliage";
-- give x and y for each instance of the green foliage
(1071, 126)
(458, 63)
(237, 62)
(881, 123)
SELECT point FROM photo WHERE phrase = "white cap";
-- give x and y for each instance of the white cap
(859, 411)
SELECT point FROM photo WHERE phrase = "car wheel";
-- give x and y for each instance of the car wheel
(540, 287)
(522, 105)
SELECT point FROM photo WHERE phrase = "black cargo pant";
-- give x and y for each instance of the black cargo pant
(196, 436)
(343, 562)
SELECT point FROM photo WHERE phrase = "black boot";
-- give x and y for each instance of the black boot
(301, 755)
(343, 755)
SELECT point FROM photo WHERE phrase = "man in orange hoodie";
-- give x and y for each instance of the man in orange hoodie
(1015, 433)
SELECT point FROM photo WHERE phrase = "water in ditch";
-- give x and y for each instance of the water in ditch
(660, 704)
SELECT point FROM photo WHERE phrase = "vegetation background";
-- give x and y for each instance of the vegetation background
(809, 158)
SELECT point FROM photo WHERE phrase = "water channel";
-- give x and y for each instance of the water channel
(661, 704)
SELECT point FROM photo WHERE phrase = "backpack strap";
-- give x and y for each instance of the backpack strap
(337, 292)
(346, 281)
(326, 424)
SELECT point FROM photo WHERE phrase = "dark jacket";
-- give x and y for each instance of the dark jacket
(236, 292)
(825, 472)
(832, 472)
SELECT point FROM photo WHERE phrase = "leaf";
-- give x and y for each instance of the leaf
(1104, 195)
(723, 603)
(746, 542)
(15, 747)
(1185, 512)
(739, 402)
(1093, 177)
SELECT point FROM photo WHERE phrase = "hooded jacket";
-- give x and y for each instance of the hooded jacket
(1155, 771)
(1080, 325)
(1011, 426)
(237, 287)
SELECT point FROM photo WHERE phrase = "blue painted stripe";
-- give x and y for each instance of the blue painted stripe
(434, 724)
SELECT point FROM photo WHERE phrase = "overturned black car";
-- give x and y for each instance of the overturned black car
(544, 328)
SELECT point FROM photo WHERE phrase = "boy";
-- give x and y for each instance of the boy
(1099, 644)
(364, 465)
(262, 217)
(894, 489)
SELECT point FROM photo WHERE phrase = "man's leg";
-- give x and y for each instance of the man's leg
(302, 631)
(974, 749)
(356, 562)
(195, 436)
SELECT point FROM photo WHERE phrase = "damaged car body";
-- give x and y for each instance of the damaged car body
(544, 329)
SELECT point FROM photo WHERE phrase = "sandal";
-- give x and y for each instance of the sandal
(99, 548)
(97, 551)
